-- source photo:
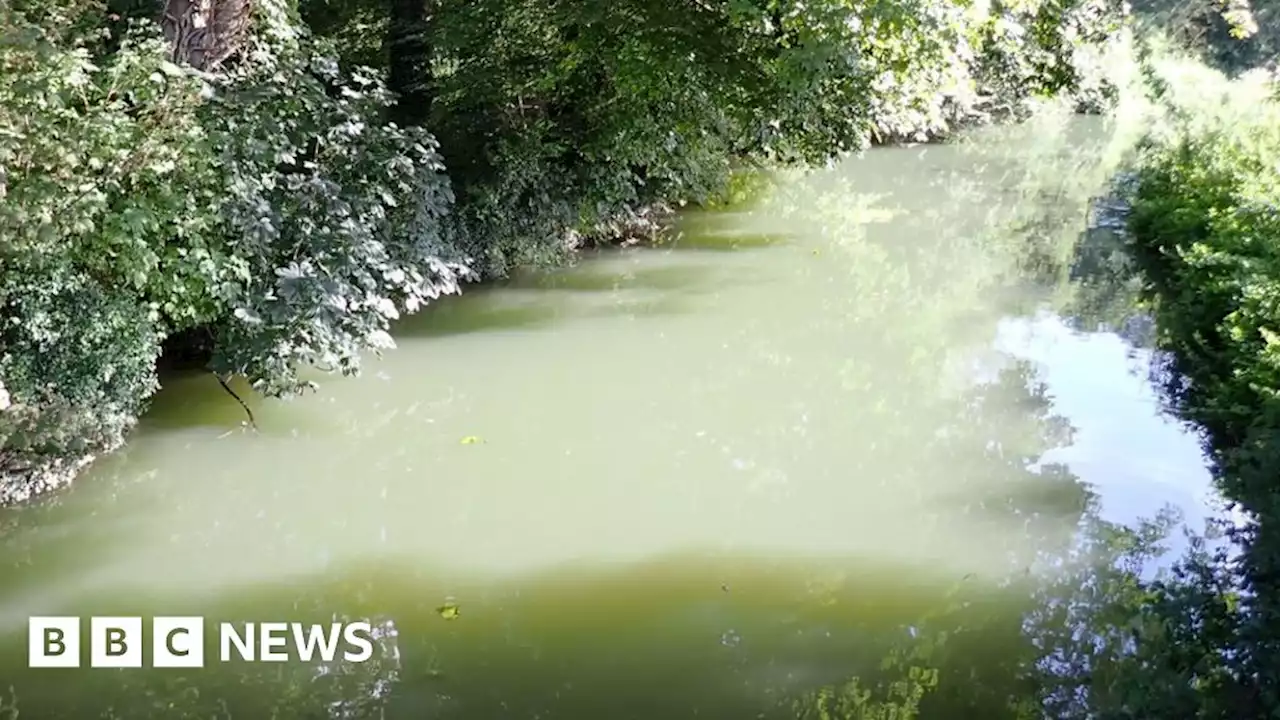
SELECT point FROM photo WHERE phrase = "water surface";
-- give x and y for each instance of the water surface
(687, 481)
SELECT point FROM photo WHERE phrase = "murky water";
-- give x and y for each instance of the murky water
(690, 481)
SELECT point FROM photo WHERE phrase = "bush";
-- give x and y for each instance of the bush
(557, 119)
(268, 207)
(329, 223)
(1230, 35)
(1204, 641)
(95, 160)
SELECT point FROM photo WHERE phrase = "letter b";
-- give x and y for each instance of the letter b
(115, 642)
(53, 642)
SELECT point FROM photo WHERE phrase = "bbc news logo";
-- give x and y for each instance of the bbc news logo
(178, 642)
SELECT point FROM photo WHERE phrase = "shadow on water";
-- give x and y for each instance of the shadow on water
(196, 401)
(1054, 500)
(29, 534)
(719, 232)
(603, 276)
(541, 300)
(480, 309)
(529, 301)
(192, 399)
(721, 636)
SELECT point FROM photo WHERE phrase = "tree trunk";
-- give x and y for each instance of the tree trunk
(205, 33)
(409, 59)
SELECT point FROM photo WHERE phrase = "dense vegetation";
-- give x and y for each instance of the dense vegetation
(266, 207)
(248, 196)
(1203, 229)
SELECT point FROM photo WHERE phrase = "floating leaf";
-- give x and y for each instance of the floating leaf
(449, 611)
(470, 440)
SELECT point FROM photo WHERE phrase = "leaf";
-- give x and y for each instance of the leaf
(470, 440)
(449, 610)
(248, 316)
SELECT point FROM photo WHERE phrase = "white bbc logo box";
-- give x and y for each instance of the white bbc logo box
(115, 642)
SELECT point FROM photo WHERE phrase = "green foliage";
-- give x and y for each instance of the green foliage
(1202, 640)
(557, 119)
(335, 218)
(269, 207)
(895, 700)
(89, 154)
(1042, 49)
(1203, 220)
(1231, 35)
(1204, 227)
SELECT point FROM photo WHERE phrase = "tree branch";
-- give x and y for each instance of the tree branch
(252, 423)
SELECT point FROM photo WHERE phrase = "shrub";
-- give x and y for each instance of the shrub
(267, 207)
(97, 165)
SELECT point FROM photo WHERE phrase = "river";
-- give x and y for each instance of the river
(695, 480)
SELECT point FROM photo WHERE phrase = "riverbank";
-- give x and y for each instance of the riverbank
(1195, 634)
(209, 215)
(1204, 231)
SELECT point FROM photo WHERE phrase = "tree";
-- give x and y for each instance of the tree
(204, 34)
(261, 203)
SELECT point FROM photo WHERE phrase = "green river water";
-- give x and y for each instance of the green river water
(697, 480)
